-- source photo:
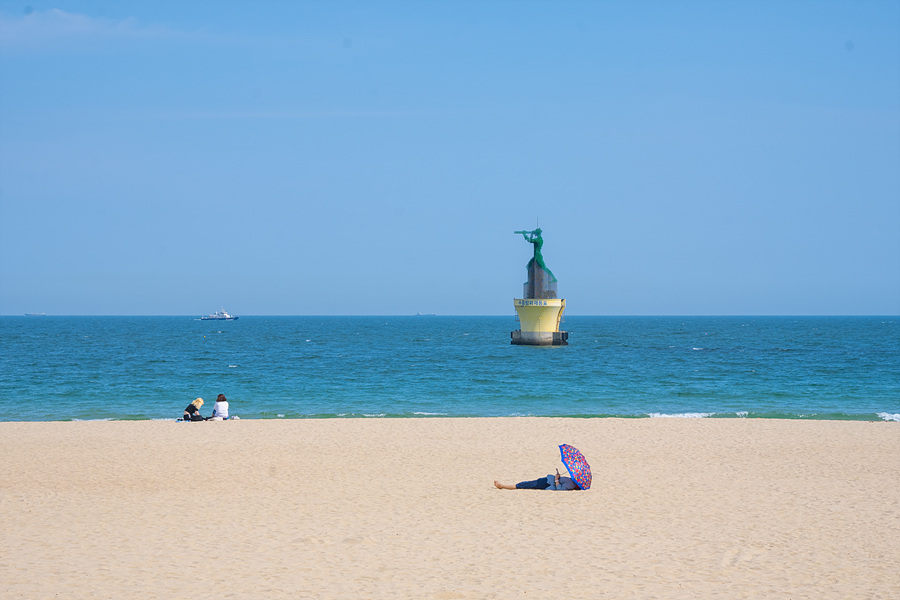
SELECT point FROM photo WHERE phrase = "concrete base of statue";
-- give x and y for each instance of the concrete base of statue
(539, 338)
(539, 321)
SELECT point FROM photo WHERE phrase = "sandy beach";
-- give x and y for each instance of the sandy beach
(406, 508)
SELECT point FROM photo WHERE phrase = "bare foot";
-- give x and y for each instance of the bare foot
(500, 486)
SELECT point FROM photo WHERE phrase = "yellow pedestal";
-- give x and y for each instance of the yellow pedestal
(539, 322)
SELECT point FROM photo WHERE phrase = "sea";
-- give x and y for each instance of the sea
(55, 368)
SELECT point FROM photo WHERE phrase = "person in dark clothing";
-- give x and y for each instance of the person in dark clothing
(552, 482)
(192, 412)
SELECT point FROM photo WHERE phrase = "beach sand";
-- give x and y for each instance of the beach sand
(406, 508)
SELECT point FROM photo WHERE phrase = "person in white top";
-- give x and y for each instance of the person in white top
(220, 409)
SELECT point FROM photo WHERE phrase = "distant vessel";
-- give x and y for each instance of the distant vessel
(35, 314)
(219, 315)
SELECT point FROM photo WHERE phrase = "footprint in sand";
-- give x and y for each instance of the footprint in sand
(313, 540)
(359, 540)
(731, 557)
(448, 596)
(736, 556)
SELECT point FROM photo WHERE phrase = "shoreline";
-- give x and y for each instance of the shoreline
(745, 415)
(406, 508)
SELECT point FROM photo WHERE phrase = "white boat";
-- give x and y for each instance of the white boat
(219, 315)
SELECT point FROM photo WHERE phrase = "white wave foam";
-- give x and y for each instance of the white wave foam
(742, 413)
(889, 416)
(680, 415)
(431, 414)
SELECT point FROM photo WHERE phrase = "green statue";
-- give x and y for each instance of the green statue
(534, 238)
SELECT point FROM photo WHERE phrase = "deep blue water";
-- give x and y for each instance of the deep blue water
(62, 368)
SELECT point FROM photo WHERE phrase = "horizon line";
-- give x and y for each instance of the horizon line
(513, 316)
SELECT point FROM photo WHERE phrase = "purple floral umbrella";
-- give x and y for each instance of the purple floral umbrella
(578, 467)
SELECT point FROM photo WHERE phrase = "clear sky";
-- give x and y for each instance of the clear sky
(317, 158)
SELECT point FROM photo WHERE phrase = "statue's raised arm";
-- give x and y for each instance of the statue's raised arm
(534, 237)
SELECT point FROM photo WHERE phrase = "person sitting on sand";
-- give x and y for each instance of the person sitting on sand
(550, 482)
(220, 408)
(192, 412)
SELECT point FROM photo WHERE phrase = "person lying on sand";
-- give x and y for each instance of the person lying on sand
(550, 482)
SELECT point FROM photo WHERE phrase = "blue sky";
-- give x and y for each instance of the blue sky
(294, 158)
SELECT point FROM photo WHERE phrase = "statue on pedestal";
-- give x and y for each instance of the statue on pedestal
(541, 281)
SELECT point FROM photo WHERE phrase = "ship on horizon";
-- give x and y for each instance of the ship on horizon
(219, 315)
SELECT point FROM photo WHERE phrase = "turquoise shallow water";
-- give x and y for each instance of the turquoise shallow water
(64, 368)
